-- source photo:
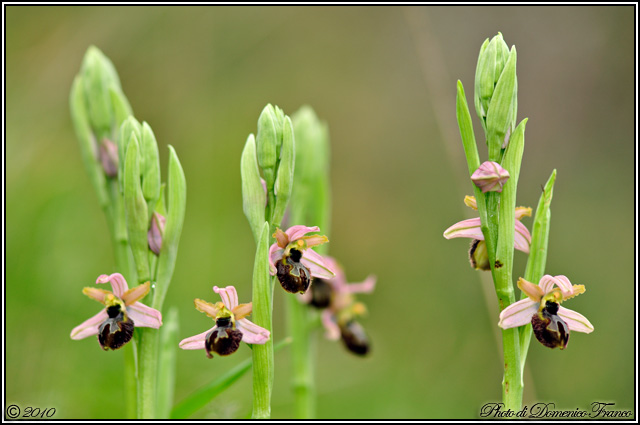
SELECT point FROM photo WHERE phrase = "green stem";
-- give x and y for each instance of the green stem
(263, 373)
(114, 212)
(302, 358)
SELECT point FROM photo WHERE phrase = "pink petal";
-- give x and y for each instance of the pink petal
(89, 327)
(547, 283)
(298, 231)
(252, 333)
(576, 321)
(229, 296)
(365, 287)
(521, 237)
(195, 342)
(518, 313)
(333, 331)
(144, 316)
(465, 229)
(565, 285)
(316, 265)
(118, 283)
(275, 254)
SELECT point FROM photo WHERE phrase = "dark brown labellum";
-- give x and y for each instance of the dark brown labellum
(320, 293)
(550, 329)
(292, 275)
(116, 331)
(355, 338)
(223, 340)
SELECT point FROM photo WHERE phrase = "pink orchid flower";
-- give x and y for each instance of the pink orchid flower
(231, 326)
(294, 262)
(114, 325)
(471, 228)
(340, 308)
(551, 322)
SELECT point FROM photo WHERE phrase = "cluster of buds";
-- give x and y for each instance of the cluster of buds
(340, 310)
(267, 168)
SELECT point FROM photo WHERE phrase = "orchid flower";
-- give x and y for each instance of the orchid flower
(551, 322)
(294, 262)
(231, 325)
(471, 228)
(335, 296)
(114, 325)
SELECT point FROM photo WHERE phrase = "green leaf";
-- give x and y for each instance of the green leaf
(177, 203)
(254, 198)
(284, 181)
(538, 252)
(204, 395)
(262, 312)
(466, 130)
(504, 249)
(167, 354)
(135, 208)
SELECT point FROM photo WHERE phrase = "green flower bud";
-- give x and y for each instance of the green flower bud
(496, 93)
(149, 167)
(284, 180)
(254, 198)
(136, 212)
(491, 61)
(88, 143)
(129, 128)
(267, 143)
(100, 78)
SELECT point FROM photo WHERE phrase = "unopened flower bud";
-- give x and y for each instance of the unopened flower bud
(108, 155)
(155, 233)
(490, 177)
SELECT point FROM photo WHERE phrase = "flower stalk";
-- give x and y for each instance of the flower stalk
(310, 203)
(266, 168)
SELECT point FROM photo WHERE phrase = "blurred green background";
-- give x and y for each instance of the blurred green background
(383, 78)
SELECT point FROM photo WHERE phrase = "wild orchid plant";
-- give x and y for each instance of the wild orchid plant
(121, 157)
(498, 230)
